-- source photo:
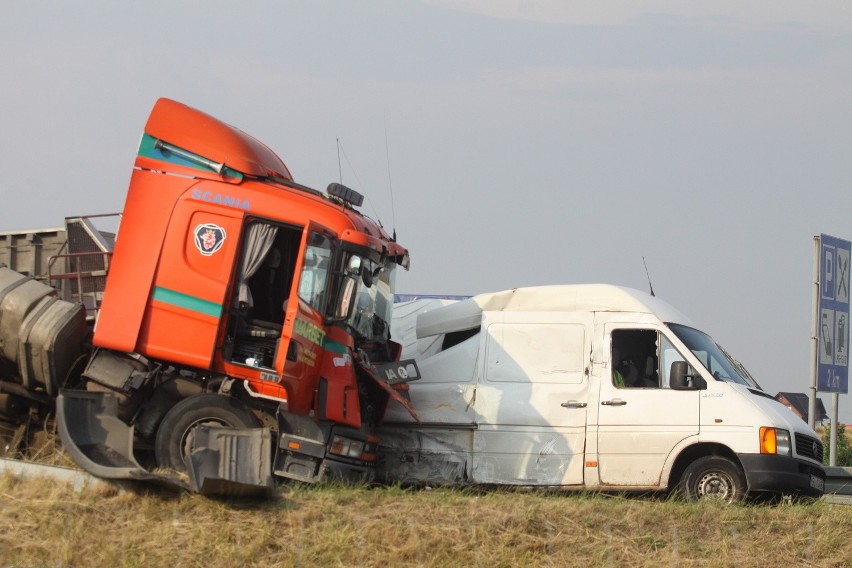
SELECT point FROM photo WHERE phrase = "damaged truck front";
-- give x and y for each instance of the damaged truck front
(237, 330)
(587, 386)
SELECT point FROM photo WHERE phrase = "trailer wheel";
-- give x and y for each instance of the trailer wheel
(713, 477)
(172, 442)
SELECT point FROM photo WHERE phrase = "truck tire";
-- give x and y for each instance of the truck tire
(713, 477)
(172, 441)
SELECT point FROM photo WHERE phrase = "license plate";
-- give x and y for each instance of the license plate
(817, 482)
(398, 372)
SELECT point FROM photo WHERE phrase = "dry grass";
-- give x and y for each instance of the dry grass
(43, 523)
(36, 442)
(46, 524)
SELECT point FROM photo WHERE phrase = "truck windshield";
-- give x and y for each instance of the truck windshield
(371, 316)
(715, 359)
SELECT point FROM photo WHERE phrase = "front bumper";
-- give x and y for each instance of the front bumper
(782, 474)
(303, 454)
(312, 464)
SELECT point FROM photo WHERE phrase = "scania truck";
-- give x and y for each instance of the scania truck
(236, 326)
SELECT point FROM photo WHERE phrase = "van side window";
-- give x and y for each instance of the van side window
(668, 355)
(634, 358)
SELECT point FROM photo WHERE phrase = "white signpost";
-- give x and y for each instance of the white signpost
(830, 339)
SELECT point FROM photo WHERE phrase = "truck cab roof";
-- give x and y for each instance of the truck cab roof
(198, 132)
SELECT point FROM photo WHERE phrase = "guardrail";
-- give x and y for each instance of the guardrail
(838, 485)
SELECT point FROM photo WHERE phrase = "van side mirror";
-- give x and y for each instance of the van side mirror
(683, 377)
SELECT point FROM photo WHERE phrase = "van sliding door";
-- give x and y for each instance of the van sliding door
(531, 401)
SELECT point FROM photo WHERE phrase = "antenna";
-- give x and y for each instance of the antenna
(340, 149)
(390, 184)
(339, 169)
(648, 275)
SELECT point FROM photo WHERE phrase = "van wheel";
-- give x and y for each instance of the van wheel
(713, 477)
(173, 436)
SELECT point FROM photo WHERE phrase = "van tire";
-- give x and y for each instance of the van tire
(713, 477)
(172, 442)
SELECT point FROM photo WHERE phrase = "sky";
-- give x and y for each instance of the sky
(508, 143)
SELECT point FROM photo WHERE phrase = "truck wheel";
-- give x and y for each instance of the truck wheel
(172, 441)
(713, 477)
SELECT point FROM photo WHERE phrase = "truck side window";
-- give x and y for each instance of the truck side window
(314, 279)
(634, 358)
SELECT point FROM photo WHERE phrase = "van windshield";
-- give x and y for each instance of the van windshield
(715, 359)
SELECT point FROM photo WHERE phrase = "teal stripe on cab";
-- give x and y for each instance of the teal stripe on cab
(148, 148)
(334, 347)
(188, 302)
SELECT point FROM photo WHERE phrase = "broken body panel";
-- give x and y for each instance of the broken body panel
(520, 388)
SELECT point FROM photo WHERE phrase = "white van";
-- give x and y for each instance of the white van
(586, 386)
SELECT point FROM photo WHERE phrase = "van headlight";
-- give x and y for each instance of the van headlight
(782, 438)
(775, 441)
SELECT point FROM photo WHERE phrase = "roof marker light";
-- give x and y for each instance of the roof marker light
(345, 194)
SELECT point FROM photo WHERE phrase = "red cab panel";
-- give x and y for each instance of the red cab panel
(188, 300)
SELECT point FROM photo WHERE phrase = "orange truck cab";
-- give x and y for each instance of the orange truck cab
(239, 301)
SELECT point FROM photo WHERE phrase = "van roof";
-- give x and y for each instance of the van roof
(467, 314)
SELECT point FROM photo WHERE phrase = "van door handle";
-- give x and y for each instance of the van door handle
(614, 402)
(573, 404)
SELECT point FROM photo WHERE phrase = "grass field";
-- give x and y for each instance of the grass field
(43, 523)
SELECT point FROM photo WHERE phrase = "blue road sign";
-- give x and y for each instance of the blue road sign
(833, 315)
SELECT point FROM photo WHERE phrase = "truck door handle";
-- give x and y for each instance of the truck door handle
(573, 404)
(614, 402)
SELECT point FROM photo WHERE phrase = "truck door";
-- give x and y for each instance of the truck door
(300, 352)
(640, 419)
(277, 307)
(531, 401)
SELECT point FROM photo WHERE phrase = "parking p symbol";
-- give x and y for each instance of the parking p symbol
(828, 284)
